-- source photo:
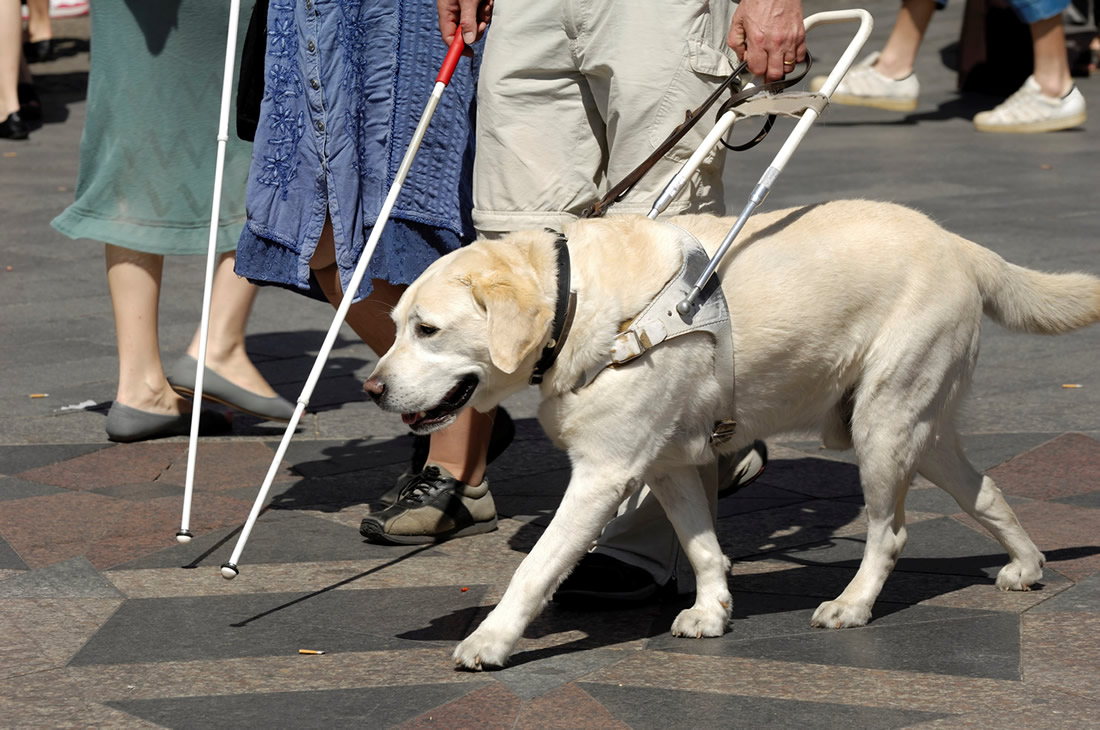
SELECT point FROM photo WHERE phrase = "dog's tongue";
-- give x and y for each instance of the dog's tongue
(409, 418)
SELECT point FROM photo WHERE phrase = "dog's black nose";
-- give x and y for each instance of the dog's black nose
(374, 387)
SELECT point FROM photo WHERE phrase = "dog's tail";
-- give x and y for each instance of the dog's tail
(1034, 301)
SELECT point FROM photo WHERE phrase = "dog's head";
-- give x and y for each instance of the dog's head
(468, 332)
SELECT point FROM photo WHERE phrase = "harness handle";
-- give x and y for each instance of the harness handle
(619, 191)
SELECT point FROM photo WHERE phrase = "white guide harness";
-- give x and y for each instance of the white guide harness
(660, 321)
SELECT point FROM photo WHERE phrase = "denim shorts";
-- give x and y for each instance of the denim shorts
(1029, 11)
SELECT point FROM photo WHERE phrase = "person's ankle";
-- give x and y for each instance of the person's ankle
(472, 473)
(893, 67)
(1054, 86)
(164, 401)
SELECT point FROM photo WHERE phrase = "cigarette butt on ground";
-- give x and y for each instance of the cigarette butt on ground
(309, 651)
(40, 395)
(1070, 385)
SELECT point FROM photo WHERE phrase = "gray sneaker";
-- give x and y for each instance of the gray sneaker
(434, 506)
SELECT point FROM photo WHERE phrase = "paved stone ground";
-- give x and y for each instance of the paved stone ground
(108, 623)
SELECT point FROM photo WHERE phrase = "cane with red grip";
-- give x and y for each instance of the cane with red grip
(229, 569)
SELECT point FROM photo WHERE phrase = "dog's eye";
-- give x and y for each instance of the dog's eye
(426, 330)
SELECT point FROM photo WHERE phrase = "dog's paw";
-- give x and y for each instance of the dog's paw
(840, 615)
(695, 623)
(481, 650)
(1019, 575)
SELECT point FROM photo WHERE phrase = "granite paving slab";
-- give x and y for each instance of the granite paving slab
(273, 624)
(279, 536)
(15, 488)
(19, 458)
(347, 708)
(920, 639)
(9, 559)
(492, 707)
(657, 708)
(1088, 499)
(73, 578)
(119, 464)
(1085, 597)
(568, 707)
(1062, 467)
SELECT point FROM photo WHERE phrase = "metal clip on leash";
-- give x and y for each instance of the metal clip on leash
(806, 106)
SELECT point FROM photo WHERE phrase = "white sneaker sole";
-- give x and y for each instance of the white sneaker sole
(1047, 125)
(875, 102)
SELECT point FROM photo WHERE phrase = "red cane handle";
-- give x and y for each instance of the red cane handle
(451, 59)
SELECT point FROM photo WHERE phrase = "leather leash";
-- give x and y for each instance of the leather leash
(619, 191)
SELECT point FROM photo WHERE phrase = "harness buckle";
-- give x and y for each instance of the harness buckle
(625, 347)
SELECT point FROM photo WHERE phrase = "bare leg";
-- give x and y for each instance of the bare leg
(230, 304)
(134, 280)
(1048, 38)
(460, 448)
(11, 51)
(38, 23)
(900, 52)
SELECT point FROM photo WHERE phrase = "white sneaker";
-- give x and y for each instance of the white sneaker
(864, 86)
(68, 8)
(1029, 111)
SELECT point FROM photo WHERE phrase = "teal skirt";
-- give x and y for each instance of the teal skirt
(149, 148)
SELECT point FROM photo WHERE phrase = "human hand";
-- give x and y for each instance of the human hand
(471, 16)
(769, 35)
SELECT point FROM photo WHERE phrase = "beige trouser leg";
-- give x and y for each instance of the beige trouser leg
(572, 96)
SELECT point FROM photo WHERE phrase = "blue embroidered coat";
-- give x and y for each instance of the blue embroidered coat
(346, 84)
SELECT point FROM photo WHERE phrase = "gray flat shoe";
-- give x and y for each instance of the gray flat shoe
(216, 388)
(126, 424)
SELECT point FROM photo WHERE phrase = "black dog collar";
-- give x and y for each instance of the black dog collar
(563, 313)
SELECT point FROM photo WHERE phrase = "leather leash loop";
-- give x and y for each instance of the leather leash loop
(771, 87)
(615, 194)
(619, 191)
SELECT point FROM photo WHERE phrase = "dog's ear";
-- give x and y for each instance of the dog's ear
(517, 319)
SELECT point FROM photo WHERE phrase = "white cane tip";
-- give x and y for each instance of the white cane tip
(183, 537)
(229, 571)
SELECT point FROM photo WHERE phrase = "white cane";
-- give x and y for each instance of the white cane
(229, 569)
(184, 534)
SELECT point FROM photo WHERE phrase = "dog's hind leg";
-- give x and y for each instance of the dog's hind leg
(888, 436)
(593, 495)
(685, 500)
(946, 466)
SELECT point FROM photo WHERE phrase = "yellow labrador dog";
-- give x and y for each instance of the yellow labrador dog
(856, 318)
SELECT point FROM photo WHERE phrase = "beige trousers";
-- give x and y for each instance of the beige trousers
(574, 94)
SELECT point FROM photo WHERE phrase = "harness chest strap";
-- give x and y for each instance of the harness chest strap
(660, 321)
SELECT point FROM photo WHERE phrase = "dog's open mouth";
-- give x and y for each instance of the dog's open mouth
(451, 403)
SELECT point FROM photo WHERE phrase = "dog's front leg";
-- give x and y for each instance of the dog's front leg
(690, 509)
(593, 495)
